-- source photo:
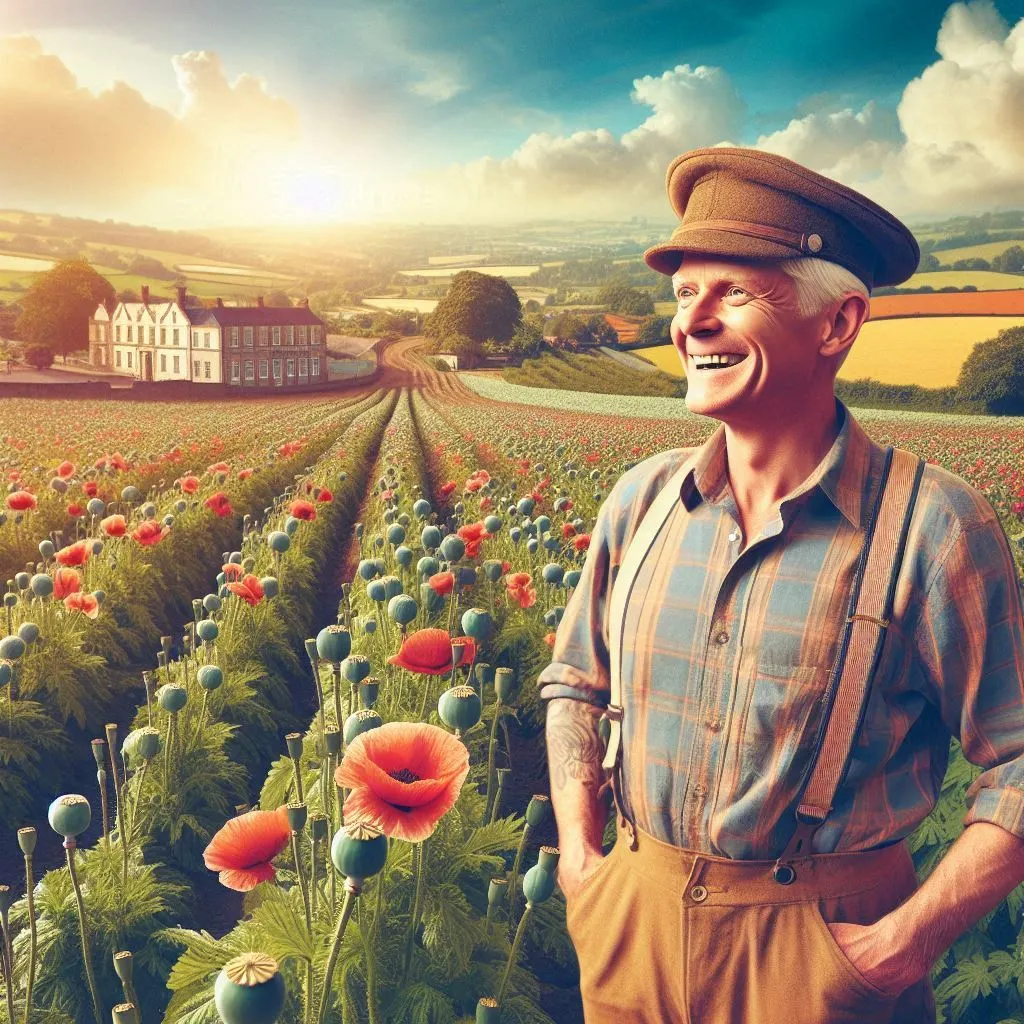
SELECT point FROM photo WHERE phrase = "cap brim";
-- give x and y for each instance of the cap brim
(666, 257)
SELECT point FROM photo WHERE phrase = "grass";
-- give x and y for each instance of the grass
(589, 372)
(984, 250)
(983, 280)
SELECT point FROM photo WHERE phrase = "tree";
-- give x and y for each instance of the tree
(654, 330)
(993, 373)
(57, 307)
(620, 297)
(528, 340)
(1010, 261)
(277, 297)
(477, 305)
(39, 356)
(468, 349)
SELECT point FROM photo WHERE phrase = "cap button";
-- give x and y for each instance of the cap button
(814, 243)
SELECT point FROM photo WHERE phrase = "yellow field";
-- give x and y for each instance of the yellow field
(983, 280)
(922, 350)
(985, 250)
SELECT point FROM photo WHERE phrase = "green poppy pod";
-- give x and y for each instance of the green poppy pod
(361, 721)
(493, 570)
(70, 815)
(367, 568)
(477, 623)
(96, 506)
(221, 579)
(427, 566)
(389, 515)
(10, 600)
(46, 549)
(431, 600)
(459, 707)
(404, 519)
(27, 839)
(538, 884)
(270, 585)
(392, 586)
(402, 608)
(376, 591)
(130, 494)
(525, 506)
(488, 1011)
(96, 547)
(123, 966)
(29, 632)
(100, 595)
(334, 644)
(430, 538)
(553, 616)
(560, 504)
(529, 527)
(552, 573)
(168, 520)
(497, 892)
(571, 578)
(332, 740)
(180, 505)
(355, 668)
(453, 547)
(279, 541)
(249, 564)
(532, 545)
(210, 677)
(466, 575)
(378, 541)
(207, 630)
(291, 524)
(318, 826)
(369, 689)
(148, 510)
(492, 524)
(370, 625)
(249, 990)
(41, 585)
(538, 809)
(172, 697)
(12, 648)
(6, 671)
(403, 556)
(297, 814)
(212, 603)
(512, 510)
(504, 683)
(543, 524)
(421, 508)
(396, 534)
(514, 534)
(22, 580)
(547, 858)
(99, 753)
(551, 542)
(359, 850)
(343, 476)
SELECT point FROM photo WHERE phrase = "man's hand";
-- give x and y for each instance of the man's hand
(880, 954)
(573, 871)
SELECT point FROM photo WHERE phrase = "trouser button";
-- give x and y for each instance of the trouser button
(698, 894)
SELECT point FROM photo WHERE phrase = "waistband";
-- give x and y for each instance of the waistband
(721, 881)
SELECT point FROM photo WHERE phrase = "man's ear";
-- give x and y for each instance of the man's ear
(840, 332)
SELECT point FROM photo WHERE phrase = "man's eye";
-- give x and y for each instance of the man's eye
(683, 293)
(737, 288)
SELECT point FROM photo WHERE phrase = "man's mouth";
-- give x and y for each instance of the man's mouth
(723, 361)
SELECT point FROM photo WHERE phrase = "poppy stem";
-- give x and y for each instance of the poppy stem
(492, 747)
(69, 847)
(515, 873)
(30, 897)
(351, 892)
(336, 676)
(119, 809)
(420, 868)
(6, 962)
(101, 780)
(517, 942)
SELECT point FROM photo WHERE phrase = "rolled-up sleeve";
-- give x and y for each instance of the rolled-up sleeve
(970, 639)
(579, 660)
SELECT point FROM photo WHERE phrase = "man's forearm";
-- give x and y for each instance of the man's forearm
(574, 761)
(977, 873)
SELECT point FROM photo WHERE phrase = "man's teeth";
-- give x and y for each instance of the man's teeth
(717, 360)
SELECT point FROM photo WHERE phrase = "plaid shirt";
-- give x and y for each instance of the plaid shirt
(726, 654)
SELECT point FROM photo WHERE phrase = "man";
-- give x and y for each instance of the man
(729, 634)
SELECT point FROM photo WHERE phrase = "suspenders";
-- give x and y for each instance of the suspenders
(845, 700)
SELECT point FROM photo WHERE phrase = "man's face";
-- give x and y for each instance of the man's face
(749, 310)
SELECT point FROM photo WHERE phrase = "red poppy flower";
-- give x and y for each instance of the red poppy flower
(244, 847)
(429, 652)
(582, 542)
(505, 566)
(482, 475)
(302, 509)
(84, 603)
(474, 485)
(75, 510)
(447, 488)
(73, 554)
(114, 526)
(189, 484)
(518, 580)
(220, 504)
(324, 495)
(14, 476)
(405, 776)
(568, 530)
(150, 532)
(549, 639)
(442, 583)
(21, 501)
(65, 469)
(90, 488)
(248, 588)
(218, 467)
(244, 474)
(66, 581)
(485, 501)
(232, 571)
(474, 534)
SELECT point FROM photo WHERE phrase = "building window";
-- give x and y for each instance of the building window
(163, 362)
(276, 337)
(234, 337)
(247, 337)
(117, 357)
(176, 336)
(117, 333)
(129, 334)
(177, 364)
(264, 333)
(152, 335)
(263, 369)
(303, 367)
(195, 369)
(206, 370)
(291, 369)
(249, 375)
(195, 338)
(234, 371)
(163, 335)
(316, 335)
(277, 369)
(316, 366)
(129, 360)
(303, 334)
(206, 339)
(291, 334)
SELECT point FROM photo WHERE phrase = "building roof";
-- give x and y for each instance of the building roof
(259, 316)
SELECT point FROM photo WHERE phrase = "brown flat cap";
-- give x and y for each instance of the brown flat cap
(745, 204)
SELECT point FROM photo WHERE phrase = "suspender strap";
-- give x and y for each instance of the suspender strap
(859, 652)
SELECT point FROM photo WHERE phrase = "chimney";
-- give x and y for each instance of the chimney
(145, 294)
(304, 303)
(181, 295)
(220, 302)
(259, 301)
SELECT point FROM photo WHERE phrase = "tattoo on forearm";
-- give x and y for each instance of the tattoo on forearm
(574, 747)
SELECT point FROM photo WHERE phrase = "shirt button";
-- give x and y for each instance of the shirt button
(713, 724)
(734, 536)
(698, 894)
(722, 638)
(700, 789)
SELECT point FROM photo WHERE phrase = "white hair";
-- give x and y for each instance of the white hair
(820, 282)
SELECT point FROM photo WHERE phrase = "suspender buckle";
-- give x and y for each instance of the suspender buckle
(798, 848)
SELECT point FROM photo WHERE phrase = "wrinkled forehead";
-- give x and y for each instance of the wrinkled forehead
(710, 270)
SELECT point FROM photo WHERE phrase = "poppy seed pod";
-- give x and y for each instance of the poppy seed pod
(130, 494)
(504, 683)
(6, 671)
(6, 899)
(270, 585)
(430, 538)
(297, 814)
(369, 625)
(459, 707)
(427, 566)
(571, 579)
(477, 623)
(294, 743)
(492, 523)
(123, 966)
(552, 573)
(421, 508)
(210, 677)
(332, 740)
(318, 826)
(46, 549)
(532, 544)
(488, 1011)
(334, 644)
(525, 506)
(172, 697)
(497, 891)
(376, 591)
(515, 534)
(291, 524)
(99, 753)
(453, 547)
(69, 815)
(548, 858)
(361, 721)
(543, 524)
(537, 810)
(27, 840)
(396, 534)
(95, 506)
(359, 850)
(22, 580)
(403, 556)
(355, 668)
(207, 630)
(553, 616)
(538, 884)
(29, 632)
(123, 1013)
(392, 587)
(249, 990)
(212, 603)
(466, 575)
(431, 599)
(41, 585)
(368, 690)
(279, 541)
(402, 608)
(12, 648)
(493, 570)
(367, 569)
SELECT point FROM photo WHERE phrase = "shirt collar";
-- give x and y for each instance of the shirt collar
(841, 475)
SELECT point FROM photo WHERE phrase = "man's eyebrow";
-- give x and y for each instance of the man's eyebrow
(744, 279)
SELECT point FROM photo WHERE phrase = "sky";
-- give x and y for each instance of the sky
(200, 115)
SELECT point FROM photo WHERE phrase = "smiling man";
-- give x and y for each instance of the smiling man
(731, 625)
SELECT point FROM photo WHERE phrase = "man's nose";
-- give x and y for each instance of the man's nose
(699, 318)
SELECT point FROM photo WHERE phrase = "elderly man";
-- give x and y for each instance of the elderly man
(729, 633)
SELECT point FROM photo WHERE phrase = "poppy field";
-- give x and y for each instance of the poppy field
(287, 652)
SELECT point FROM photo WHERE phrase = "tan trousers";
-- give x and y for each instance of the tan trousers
(668, 936)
